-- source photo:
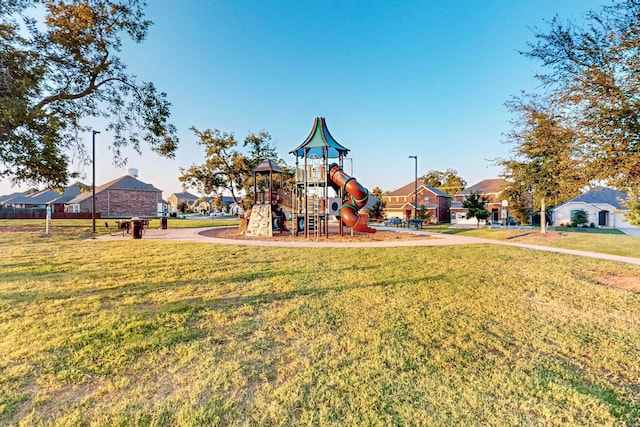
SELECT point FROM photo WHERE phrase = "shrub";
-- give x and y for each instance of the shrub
(578, 218)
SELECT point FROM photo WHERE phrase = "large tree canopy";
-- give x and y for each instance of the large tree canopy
(228, 169)
(448, 181)
(591, 70)
(62, 68)
(546, 157)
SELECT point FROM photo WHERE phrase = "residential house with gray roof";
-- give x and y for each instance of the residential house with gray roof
(604, 208)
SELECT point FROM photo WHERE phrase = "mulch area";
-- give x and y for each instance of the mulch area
(379, 236)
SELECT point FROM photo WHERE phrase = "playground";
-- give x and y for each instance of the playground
(308, 209)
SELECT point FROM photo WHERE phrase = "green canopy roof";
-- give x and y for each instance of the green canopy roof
(320, 143)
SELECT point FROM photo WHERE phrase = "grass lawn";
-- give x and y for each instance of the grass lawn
(594, 240)
(142, 332)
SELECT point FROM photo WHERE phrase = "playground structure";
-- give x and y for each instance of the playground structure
(267, 214)
(311, 205)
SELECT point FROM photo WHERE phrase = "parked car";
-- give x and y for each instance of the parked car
(217, 213)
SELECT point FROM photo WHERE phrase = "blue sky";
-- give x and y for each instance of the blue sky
(392, 79)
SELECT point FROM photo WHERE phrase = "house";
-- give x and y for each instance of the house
(229, 205)
(176, 199)
(603, 206)
(5, 200)
(42, 199)
(207, 204)
(124, 197)
(400, 202)
(491, 189)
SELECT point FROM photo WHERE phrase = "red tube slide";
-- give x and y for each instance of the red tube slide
(356, 199)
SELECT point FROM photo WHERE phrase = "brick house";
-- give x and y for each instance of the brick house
(400, 202)
(489, 188)
(124, 197)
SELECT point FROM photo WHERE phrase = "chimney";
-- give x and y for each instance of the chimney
(132, 172)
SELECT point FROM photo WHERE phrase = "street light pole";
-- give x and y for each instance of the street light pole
(93, 183)
(415, 190)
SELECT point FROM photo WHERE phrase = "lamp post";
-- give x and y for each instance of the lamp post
(93, 183)
(415, 190)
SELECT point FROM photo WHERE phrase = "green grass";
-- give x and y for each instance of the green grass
(85, 226)
(593, 240)
(167, 333)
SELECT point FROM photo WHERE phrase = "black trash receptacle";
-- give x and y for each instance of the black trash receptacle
(163, 223)
(137, 227)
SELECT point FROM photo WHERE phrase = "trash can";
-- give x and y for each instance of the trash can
(137, 227)
(163, 223)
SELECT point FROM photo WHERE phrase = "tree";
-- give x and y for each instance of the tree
(546, 158)
(376, 212)
(591, 71)
(183, 207)
(578, 218)
(519, 200)
(225, 168)
(633, 204)
(448, 181)
(61, 68)
(476, 205)
(377, 192)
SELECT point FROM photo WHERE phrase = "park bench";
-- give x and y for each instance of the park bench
(417, 223)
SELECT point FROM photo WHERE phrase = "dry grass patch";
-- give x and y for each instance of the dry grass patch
(626, 283)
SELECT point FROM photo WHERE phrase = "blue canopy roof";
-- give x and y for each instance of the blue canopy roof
(320, 143)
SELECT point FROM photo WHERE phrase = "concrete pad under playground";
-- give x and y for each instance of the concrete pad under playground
(435, 239)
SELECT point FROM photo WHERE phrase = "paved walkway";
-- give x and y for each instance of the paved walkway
(437, 239)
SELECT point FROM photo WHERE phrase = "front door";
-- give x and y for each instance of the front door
(602, 218)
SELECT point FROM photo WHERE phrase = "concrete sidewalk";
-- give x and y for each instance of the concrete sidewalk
(435, 239)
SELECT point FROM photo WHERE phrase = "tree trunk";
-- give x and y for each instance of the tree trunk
(543, 216)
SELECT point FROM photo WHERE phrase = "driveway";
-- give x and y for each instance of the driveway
(631, 231)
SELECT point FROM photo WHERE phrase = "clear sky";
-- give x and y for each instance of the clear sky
(392, 78)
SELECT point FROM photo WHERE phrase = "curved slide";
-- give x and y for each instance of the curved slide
(356, 199)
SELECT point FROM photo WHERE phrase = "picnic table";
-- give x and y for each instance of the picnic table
(397, 222)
